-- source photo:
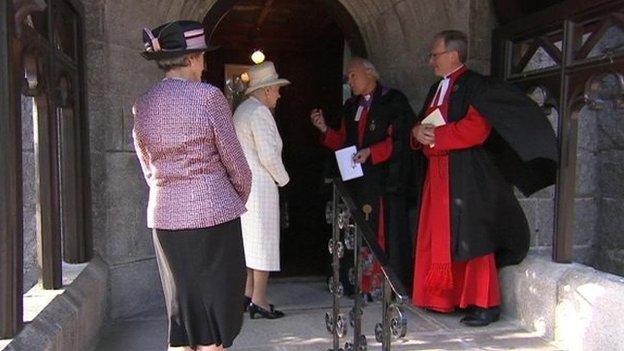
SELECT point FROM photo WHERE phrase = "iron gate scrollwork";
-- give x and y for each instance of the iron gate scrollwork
(350, 232)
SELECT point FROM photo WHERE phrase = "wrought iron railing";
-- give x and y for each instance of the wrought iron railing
(351, 232)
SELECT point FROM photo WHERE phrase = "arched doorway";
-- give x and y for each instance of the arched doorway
(309, 42)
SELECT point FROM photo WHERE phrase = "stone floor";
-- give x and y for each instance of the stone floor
(305, 303)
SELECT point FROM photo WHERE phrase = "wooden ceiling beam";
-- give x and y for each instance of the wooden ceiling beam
(263, 14)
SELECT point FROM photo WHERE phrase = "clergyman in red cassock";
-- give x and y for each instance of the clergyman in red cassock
(492, 137)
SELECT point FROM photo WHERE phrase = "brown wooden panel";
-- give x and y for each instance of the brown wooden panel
(509, 10)
(48, 229)
(72, 243)
(81, 165)
(11, 240)
(593, 39)
(553, 16)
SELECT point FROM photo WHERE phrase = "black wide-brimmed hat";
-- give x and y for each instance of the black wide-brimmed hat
(174, 39)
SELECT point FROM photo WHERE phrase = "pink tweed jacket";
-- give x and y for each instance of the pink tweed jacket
(192, 161)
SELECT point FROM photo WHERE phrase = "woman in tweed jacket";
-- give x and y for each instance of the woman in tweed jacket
(199, 182)
(262, 145)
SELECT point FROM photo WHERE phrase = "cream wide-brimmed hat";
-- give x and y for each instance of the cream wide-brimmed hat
(264, 75)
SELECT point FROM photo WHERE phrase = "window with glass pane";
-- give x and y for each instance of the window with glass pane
(536, 54)
(600, 38)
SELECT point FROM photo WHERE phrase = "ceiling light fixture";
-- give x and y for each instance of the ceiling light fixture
(257, 57)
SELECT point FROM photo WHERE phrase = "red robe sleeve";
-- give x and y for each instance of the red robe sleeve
(335, 139)
(470, 131)
(381, 151)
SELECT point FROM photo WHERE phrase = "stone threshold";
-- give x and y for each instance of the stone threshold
(576, 306)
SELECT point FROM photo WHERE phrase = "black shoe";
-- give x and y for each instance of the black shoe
(465, 310)
(255, 310)
(246, 303)
(480, 317)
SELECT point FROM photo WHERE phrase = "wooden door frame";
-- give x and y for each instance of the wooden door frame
(573, 75)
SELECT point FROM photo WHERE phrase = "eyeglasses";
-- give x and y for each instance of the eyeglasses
(436, 54)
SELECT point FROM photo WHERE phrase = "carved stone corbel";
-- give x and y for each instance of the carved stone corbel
(23, 8)
(33, 68)
(603, 88)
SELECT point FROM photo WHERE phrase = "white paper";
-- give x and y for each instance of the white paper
(348, 168)
(434, 118)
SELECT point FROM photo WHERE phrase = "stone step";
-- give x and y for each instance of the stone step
(303, 328)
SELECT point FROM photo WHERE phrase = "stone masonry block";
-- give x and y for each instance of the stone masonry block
(585, 221)
(589, 312)
(587, 174)
(98, 201)
(610, 129)
(587, 131)
(545, 225)
(612, 223)
(124, 22)
(128, 237)
(610, 260)
(611, 173)
(136, 290)
(529, 207)
(529, 292)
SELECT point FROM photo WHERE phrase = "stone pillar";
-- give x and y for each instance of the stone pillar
(116, 76)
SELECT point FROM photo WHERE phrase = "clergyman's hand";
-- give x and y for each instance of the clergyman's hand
(318, 120)
(362, 156)
(424, 133)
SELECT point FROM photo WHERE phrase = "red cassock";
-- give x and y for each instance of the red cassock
(379, 152)
(440, 283)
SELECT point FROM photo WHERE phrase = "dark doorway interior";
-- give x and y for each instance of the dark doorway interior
(306, 44)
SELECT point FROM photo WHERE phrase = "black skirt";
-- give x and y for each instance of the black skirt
(203, 276)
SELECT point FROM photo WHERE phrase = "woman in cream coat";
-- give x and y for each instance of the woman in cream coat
(262, 145)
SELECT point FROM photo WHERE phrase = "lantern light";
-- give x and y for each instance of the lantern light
(245, 77)
(257, 57)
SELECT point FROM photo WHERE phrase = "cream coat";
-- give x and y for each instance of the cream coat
(262, 145)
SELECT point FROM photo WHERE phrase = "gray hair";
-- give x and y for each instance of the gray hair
(175, 62)
(258, 93)
(455, 40)
(367, 65)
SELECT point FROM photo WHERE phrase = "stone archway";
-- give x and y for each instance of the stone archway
(395, 34)
(337, 10)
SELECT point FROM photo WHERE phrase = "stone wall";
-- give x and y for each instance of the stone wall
(539, 207)
(609, 253)
(116, 76)
(398, 34)
(588, 191)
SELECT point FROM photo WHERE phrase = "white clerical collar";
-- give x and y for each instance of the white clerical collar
(455, 70)
(358, 113)
(443, 86)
